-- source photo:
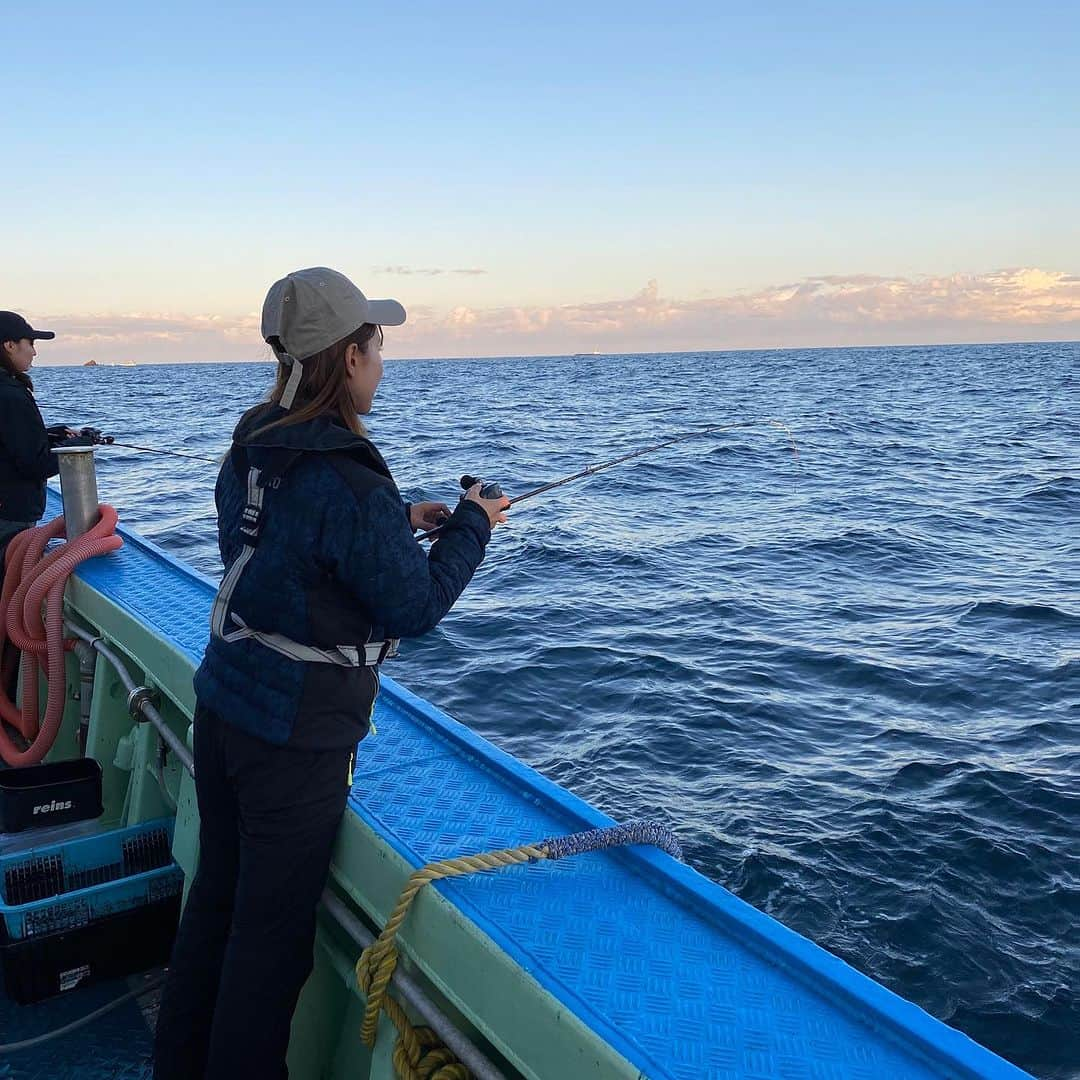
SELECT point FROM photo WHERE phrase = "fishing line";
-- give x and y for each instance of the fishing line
(107, 440)
(495, 491)
(592, 470)
(171, 453)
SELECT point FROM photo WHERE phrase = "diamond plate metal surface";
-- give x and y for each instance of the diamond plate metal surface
(157, 589)
(117, 1046)
(657, 979)
(673, 971)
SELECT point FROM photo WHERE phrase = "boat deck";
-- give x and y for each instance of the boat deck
(118, 1046)
(676, 973)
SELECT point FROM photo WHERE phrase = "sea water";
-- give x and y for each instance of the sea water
(849, 676)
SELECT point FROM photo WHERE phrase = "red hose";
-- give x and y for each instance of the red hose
(32, 580)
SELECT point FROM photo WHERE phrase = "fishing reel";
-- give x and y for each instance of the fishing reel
(487, 491)
(62, 436)
(96, 436)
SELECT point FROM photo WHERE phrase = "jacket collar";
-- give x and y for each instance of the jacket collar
(7, 381)
(321, 435)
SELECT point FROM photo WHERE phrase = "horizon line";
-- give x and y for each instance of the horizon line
(40, 364)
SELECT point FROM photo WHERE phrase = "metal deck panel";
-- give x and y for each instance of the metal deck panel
(117, 1046)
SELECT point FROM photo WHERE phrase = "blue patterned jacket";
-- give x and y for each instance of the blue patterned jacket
(336, 563)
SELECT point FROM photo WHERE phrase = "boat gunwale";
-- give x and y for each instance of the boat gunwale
(906, 1026)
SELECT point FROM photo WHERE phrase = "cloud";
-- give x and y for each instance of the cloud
(160, 337)
(141, 326)
(1018, 297)
(409, 271)
(857, 309)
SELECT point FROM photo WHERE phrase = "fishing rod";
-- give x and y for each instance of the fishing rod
(171, 453)
(493, 491)
(98, 439)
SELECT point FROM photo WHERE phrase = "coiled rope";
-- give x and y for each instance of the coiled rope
(34, 579)
(418, 1053)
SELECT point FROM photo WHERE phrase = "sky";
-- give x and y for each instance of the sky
(539, 179)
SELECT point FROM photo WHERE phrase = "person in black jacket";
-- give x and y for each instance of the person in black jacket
(26, 458)
(322, 574)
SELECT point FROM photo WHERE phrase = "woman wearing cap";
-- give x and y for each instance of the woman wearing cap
(322, 575)
(26, 458)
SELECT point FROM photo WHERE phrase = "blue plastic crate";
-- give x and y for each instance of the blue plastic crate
(65, 886)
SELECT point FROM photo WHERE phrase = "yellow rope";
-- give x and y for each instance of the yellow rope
(430, 1060)
(415, 1055)
(418, 1054)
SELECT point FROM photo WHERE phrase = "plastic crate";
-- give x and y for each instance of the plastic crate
(49, 794)
(97, 907)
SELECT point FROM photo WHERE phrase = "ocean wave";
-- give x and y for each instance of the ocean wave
(1057, 489)
(1023, 612)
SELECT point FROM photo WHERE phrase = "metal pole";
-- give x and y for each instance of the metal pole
(87, 659)
(78, 488)
(171, 739)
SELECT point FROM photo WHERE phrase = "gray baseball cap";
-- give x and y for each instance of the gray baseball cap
(309, 310)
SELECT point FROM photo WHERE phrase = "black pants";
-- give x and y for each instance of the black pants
(244, 948)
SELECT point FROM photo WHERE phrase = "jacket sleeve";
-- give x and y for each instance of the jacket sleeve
(26, 440)
(400, 586)
(224, 501)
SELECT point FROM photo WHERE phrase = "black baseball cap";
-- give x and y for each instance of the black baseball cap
(14, 328)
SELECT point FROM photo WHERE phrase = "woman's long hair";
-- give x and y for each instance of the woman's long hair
(323, 390)
(9, 367)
